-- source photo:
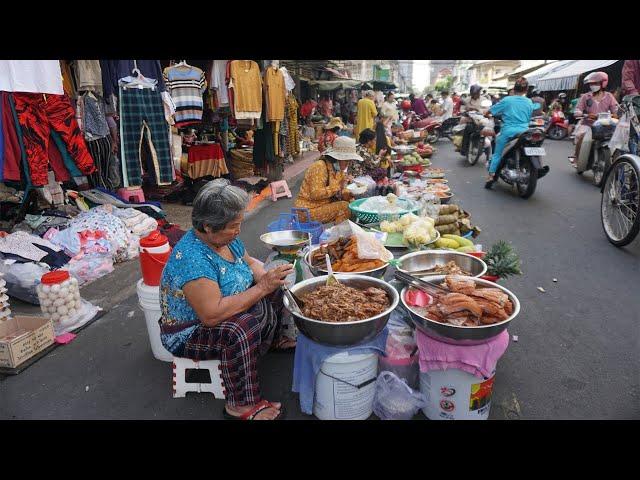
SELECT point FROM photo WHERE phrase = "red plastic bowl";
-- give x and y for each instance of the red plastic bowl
(478, 254)
(491, 278)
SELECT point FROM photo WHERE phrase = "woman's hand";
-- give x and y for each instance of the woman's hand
(274, 279)
(593, 116)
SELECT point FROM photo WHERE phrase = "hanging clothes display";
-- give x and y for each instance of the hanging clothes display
(37, 115)
(246, 85)
(218, 82)
(186, 84)
(293, 138)
(88, 75)
(142, 117)
(275, 93)
(288, 81)
(91, 117)
(11, 151)
(113, 70)
(32, 76)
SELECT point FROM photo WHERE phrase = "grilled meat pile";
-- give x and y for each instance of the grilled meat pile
(340, 303)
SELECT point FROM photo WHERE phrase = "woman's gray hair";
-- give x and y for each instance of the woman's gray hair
(217, 204)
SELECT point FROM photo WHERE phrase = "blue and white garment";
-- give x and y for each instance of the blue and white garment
(192, 259)
(186, 85)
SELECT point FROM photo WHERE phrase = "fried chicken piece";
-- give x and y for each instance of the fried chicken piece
(488, 319)
(460, 284)
(492, 294)
(456, 302)
(508, 307)
(491, 308)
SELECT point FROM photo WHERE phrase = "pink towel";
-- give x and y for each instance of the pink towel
(479, 360)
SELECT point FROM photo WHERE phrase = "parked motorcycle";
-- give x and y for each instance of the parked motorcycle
(594, 151)
(558, 126)
(520, 164)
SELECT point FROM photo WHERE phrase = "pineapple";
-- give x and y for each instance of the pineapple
(502, 260)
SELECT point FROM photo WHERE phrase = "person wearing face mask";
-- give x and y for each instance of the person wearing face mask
(596, 100)
(323, 189)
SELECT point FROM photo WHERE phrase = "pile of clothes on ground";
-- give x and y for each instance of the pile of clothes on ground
(86, 241)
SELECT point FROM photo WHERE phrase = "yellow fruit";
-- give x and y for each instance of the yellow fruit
(466, 249)
(446, 243)
(463, 242)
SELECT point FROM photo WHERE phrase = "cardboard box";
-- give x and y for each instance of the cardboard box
(22, 337)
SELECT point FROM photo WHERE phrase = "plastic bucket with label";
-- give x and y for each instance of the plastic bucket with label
(149, 298)
(345, 387)
(454, 394)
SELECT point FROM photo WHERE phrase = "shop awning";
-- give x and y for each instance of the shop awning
(328, 85)
(528, 70)
(567, 77)
(536, 75)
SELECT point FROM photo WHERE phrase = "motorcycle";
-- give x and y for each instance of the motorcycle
(520, 164)
(480, 137)
(446, 130)
(620, 203)
(594, 151)
(558, 126)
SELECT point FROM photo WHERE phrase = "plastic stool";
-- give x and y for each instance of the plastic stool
(181, 387)
(131, 194)
(274, 190)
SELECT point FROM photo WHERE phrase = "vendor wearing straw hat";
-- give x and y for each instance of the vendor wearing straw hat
(331, 130)
(323, 188)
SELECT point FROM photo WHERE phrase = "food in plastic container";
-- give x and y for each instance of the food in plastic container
(59, 296)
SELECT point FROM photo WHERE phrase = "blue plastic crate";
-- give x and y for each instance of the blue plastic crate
(291, 221)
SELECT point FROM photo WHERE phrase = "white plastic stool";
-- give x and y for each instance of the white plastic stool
(181, 387)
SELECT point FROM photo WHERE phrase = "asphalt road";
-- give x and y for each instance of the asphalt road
(577, 356)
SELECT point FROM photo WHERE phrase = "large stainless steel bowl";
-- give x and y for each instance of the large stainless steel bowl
(343, 334)
(461, 335)
(426, 259)
(375, 273)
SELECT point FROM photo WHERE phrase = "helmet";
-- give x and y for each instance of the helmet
(406, 105)
(536, 93)
(475, 89)
(597, 77)
(562, 95)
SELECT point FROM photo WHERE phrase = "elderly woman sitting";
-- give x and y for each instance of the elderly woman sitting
(323, 189)
(219, 303)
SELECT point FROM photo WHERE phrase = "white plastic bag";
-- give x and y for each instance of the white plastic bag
(369, 247)
(395, 400)
(620, 138)
(23, 278)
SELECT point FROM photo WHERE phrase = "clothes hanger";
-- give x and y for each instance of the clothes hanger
(139, 80)
(182, 63)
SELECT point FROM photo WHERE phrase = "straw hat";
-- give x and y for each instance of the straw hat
(344, 148)
(334, 122)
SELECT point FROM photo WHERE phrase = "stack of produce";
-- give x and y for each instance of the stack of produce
(241, 164)
(416, 231)
(424, 150)
(502, 260)
(412, 159)
(455, 242)
(453, 220)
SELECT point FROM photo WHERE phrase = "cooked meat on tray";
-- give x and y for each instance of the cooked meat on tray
(340, 303)
(467, 305)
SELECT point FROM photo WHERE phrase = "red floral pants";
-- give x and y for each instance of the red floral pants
(37, 114)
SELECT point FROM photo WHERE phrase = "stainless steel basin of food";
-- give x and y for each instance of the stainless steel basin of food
(461, 335)
(427, 259)
(343, 334)
(375, 273)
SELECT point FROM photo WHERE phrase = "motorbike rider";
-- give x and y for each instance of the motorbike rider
(447, 105)
(516, 111)
(471, 104)
(536, 97)
(418, 105)
(596, 101)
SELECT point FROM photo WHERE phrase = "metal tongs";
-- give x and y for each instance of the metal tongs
(428, 287)
(294, 301)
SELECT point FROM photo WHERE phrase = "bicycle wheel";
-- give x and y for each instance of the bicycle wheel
(620, 202)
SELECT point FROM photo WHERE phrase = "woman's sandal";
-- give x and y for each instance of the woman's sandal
(251, 414)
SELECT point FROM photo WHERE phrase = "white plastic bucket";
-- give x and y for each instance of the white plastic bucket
(345, 387)
(149, 299)
(454, 394)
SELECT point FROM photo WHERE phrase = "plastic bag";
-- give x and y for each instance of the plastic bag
(620, 138)
(369, 247)
(394, 399)
(85, 314)
(22, 279)
(88, 268)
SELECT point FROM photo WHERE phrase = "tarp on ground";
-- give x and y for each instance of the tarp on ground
(567, 77)
(536, 75)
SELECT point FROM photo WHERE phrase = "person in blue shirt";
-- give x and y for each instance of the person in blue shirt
(218, 302)
(516, 113)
